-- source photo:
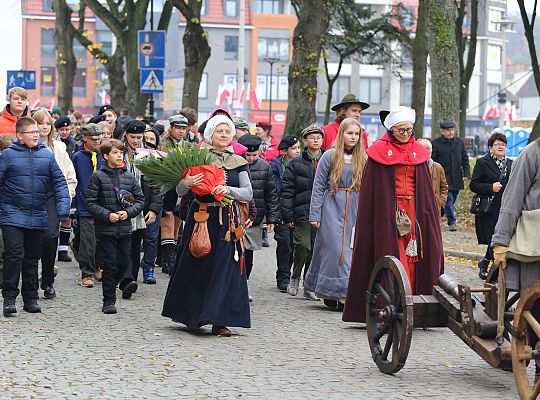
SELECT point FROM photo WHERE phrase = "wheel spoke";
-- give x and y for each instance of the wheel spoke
(391, 287)
(533, 323)
(395, 343)
(383, 293)
(388, 344)
(383, 330)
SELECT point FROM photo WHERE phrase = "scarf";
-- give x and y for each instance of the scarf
(225, 158)
(93, 157)
(137, 222)
(500, 162)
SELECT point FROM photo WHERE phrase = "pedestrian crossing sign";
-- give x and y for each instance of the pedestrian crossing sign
(152, 81)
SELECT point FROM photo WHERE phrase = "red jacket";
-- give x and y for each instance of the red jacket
(271, 151)
(7, 121)
(330, 134)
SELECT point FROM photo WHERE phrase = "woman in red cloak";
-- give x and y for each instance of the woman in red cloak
(396, 182)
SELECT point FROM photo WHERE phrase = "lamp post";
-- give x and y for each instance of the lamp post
(271, 61)
(504, 25)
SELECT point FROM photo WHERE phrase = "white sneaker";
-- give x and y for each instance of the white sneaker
(292, 288)
(310, 296)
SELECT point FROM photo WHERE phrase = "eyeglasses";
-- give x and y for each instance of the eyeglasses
(499, 145)
(33, 133)
(408, 131)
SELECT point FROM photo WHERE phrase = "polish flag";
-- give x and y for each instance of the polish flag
(51, 105)
(241, 96)
(491, 112)
(509, 111)
(255, 98)
(248, 94)
(230, 97)
(36, 104)
(222, 95)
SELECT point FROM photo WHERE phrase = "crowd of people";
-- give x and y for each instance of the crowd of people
(333, 204)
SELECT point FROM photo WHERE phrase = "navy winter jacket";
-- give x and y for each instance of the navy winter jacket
(101, 200)
(264, 192)
(82, 161)
(26, 175)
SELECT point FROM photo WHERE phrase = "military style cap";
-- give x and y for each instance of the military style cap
(313, 128)
(178, 120)
(62, 122)
(252, 142)
(287, 142)
(350, 98)
(96, 118)
(106, 107)
(240, 123)
(91, 130)
(447, 124)
(135, 126)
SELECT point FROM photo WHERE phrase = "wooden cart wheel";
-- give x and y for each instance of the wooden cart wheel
(389, 307)
(522, 352)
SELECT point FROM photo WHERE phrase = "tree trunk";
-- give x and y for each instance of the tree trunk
(135, 100)
(115, 70)
(529, 34)
(196, 51)
(419, 59)
(66, 64)
(466, 64)
(444, 63)
(330, 81)
(308, 39)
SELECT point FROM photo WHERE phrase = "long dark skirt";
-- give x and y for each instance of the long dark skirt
(208, 290)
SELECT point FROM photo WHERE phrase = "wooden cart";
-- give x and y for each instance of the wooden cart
(471, 313)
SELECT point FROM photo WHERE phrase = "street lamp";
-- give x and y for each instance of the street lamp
(504, 25)
(271, 61)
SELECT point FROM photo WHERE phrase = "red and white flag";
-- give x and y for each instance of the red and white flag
(510, 112)
(51, 105)
(491, 112)
(255, 98)
(222, 95)
(36, 104)
(241, 95)
(230, 97)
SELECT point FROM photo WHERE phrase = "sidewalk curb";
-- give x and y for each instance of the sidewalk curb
(463, 254)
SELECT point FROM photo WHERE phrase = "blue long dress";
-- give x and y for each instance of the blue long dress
(209, 290)
(328, 273)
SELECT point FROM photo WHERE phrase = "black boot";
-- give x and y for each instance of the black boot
(31, 306)
(168, 254)
(483, 268)
(64, 256)
(49, 292)
(265, 241)
(9, 306)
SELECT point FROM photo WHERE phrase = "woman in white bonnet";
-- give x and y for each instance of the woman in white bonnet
(212, 290)
(396, 188)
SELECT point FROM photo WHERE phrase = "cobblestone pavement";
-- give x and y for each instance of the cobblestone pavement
(296, 349)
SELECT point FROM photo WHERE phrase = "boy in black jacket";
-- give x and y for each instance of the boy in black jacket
(296, 187)
(114, 197)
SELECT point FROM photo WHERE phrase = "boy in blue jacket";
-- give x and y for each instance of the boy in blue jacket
(27, 170)
(86, 161)
(114, 196)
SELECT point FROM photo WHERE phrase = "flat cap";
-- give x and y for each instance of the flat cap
(178, 120)
(62, 122)
(91, 130)
(135, 126)
(252, 142)
(287, 142)
(106, 107)
(447, 124)
(240, 123)
(313, 128)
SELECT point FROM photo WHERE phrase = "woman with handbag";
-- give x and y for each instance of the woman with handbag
(488, 181)
(208, 285)
(397, 213)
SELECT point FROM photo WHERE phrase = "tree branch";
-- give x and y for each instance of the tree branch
(114, 24)
(165, 17)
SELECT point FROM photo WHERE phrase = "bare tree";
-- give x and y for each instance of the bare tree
(419, 61)
(465, 42)
(308, 40)
(66, 64)
(444, 61)
(528, 24)
(196, 50)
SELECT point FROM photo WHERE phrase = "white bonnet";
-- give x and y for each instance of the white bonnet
(215, 121)
(399, 114)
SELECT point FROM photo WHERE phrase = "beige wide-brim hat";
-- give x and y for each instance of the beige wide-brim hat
(348, 99)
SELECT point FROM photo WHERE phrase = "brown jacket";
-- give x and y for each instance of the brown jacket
(440, 185)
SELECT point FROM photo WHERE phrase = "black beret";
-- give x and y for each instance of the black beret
(447, 124)
(96, 118)
(62, 122)
(159, 128)
(287, 142)
(106, 107)
(252, 142)
(135, 126)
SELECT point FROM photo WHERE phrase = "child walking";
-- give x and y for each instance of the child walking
(114, 197)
